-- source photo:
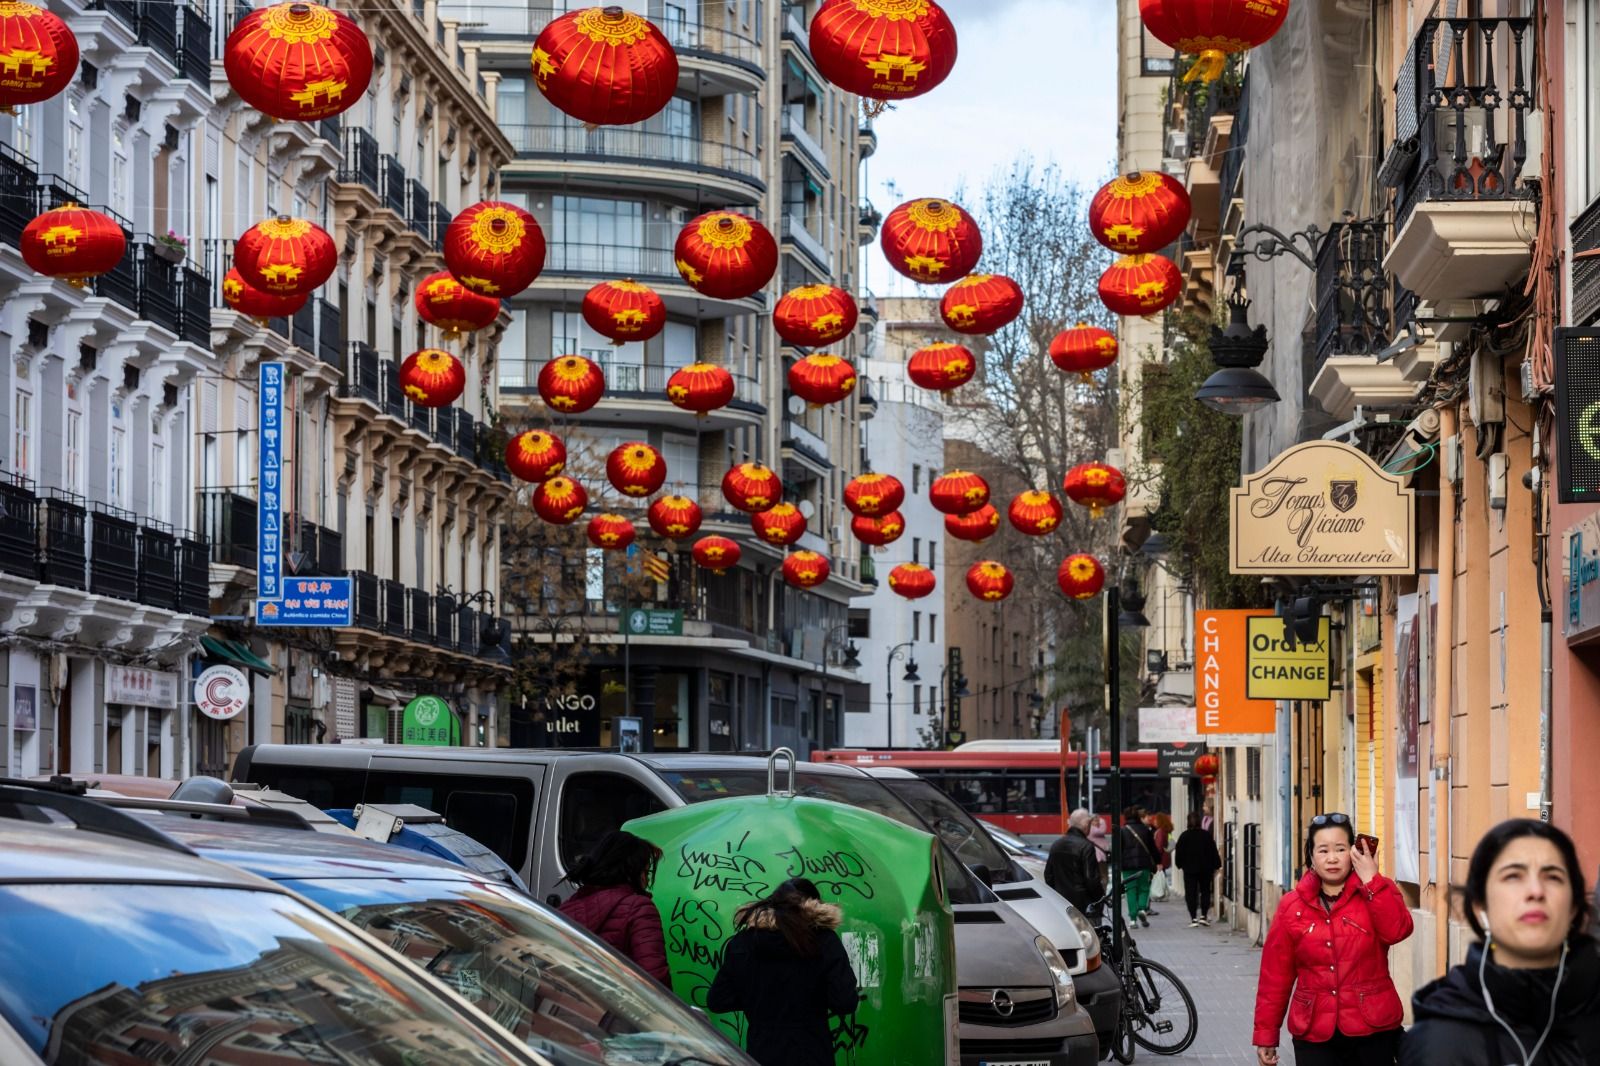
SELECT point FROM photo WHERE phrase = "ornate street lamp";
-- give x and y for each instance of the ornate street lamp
(1238, 388)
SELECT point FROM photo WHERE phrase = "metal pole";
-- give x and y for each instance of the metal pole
(1114, 711)
(888, 696)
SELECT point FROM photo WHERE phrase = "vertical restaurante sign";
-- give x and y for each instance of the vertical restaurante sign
(1322, 508)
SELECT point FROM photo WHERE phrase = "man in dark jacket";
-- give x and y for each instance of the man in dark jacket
(1073, 868)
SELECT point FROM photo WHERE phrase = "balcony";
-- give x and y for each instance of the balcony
(19, 180)
(813, 255)
(571, 265)
(229, 521)
(329, 348)
(360, 160)
(194, 48)
(392, 184)
(797, 136)
(867, 139)
(419, 213)
(805, 454)
(868, 221)
(441, 223)
(1355, 324)
(1466, 134)
(1586, 266)
(577, 156)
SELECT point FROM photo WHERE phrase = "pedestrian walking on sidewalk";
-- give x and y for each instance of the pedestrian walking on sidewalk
(1196, 855)
(1073, 868)
(1140, 858)
(613, 899)
(1326, 959)
(787, 970)
(1529, 992)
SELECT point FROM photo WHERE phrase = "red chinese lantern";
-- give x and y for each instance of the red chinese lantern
(1035, 513)
(989, 580)
(571, 384)
(979, 525)
(1140, 284)
(884, 50)
(612, 532)
(805, 570)
(560, 500)
(636, 469)
(932, 241)
(1214, 29)
(253, 302)
(534, 455)
(1083, 349)
(444, 302)
(783, 524)
(958, 492)
(624, 311)
(494, 248)
(285, 256)
(433, 378)
(814, 316)
(674, 517)
(821, 379)
(1207, 765)
(980, 304)
(912, 580)
(1081, 576)
(880, 531)
(38, 55)
(1095, 486)
(1139, 212)
(941, 366)
(751, 487)
(298, 61)
(700, 387)
(73, 243)
(605, 66)
(726, 255)
(874, 494)
(717, 554)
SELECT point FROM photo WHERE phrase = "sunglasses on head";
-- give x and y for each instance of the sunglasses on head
(1330, 819)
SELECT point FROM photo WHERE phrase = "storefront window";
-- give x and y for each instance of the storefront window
(674, 713)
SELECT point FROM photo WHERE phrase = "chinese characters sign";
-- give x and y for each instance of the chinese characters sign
(309, 601)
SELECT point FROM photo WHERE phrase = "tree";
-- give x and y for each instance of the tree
(1029, 423)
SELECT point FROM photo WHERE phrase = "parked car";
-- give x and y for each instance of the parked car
(562, 991)
(1016, 846)
(1023, 887)
(117, 943)
(540, 809)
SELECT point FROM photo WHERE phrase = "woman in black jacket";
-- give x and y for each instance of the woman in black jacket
(787, 970)
(1529, 994)
(1196, 855)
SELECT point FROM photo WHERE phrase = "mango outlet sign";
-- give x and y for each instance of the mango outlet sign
(1275, 670)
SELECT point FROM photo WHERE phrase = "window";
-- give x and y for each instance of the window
(73, 474)
(933, 628)
(1016, 648)
(916, 549)
(916, 479)
(511, 108)
(22, 433)
(22, 130)
(594, 804)
(933, 554)
(513, 356)
(598, 235)
(158, 481)
(916, 625)
(916, 699)
(495, 811)
(1252, 773)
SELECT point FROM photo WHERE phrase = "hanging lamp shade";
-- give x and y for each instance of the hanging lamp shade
(976, 526)
(624, 311)
(726, 255)
(605, 66)
(38, 55)
(494, 248)
(285, 256)
(571, 384)
(299, 61)
(717, 554)
(883, 50)
(535, 455)
(636, 469)
(433, 377)
(872, 494)
(701, 388)
(990, 581)
(674, 517)
(931, 241)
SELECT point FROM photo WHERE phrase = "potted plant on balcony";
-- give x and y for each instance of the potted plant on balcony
(171, 247)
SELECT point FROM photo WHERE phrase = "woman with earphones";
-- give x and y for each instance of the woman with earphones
(1529, 994)
(1326, 960)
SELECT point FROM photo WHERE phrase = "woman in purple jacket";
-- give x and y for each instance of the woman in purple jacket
(613, 899)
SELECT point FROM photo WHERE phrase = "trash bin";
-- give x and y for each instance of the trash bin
(898, 928)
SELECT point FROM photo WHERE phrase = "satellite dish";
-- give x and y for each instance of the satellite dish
(797, 406)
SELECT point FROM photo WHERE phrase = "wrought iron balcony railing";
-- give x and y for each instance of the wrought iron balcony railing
(626, 144)
(1466, 94)
(360, 159)
(1355, 313)
(392, 184)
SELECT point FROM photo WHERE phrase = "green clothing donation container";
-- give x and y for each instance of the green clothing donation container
(897, 929)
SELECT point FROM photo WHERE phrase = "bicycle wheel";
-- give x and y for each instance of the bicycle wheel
(1164, 1018)
(1123, 1049)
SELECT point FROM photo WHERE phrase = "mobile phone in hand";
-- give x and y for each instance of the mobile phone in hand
(1368, 844)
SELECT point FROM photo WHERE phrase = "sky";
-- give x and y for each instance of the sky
(1035, 77)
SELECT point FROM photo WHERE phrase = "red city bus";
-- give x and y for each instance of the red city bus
(1022, 790)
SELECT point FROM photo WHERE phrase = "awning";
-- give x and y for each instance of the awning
(383, 695)
(235, 653)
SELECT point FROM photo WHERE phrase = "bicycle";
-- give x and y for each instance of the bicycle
(1158, 1013)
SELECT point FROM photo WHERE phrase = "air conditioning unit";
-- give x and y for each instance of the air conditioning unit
(1178, 144)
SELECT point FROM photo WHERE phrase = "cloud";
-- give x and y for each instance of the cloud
(1040, 79)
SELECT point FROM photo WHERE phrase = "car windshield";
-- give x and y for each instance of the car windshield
(1004, 836)
(957, 828)
(212, 976)
(534, 972)
(697, 786)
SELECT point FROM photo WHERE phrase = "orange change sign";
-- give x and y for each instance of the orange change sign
(1222, 704)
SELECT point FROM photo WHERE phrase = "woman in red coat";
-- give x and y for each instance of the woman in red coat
(1326, 960)
(613, 900)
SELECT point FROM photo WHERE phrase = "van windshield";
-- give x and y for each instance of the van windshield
(697, 786)
(543, 978)
(957, 828)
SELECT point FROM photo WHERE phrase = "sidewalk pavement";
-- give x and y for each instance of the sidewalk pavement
(1219, 968)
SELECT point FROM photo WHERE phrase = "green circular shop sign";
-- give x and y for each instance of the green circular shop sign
(429, 720)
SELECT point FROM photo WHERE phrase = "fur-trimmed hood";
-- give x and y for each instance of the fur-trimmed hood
(759, 915)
